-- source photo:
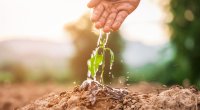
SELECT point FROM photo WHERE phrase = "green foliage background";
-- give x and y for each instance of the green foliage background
(184, 45)
(185, 38)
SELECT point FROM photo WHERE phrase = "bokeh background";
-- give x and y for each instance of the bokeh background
(51, 41)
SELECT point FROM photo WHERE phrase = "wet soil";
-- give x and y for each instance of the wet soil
(93, 96)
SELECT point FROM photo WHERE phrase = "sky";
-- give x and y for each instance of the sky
(45, 19)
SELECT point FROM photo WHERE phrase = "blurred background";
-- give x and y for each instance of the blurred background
(51, 41)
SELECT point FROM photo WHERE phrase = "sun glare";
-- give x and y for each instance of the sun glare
(146, 24)
(38, 19)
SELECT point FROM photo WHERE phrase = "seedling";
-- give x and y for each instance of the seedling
(97, 60)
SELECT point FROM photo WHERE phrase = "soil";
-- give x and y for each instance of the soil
(13, 96)
(93, 96)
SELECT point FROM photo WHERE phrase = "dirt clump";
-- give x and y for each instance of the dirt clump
(93, 96)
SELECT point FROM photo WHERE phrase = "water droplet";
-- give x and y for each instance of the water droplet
(127, 78)
(164, 85)
(113, 76)
(120, 81)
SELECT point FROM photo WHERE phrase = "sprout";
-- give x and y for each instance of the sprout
(98, 58)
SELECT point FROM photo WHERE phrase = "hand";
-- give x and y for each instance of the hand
(110, 14)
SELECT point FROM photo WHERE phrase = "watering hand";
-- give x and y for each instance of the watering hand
(110, 14)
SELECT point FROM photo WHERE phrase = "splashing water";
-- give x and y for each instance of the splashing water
(97, 59)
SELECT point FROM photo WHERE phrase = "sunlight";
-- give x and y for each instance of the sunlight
(38, 19)
(147, 24)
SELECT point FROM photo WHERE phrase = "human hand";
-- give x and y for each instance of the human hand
(110, 14)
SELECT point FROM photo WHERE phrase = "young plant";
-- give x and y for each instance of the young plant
(97, 59)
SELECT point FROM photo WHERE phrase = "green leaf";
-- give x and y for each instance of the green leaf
(111, 56)
(94, 62)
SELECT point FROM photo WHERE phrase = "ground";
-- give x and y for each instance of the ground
(13, 96)
(94, 96)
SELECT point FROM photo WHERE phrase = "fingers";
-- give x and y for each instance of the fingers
(102, 20)
(119, 20)
(93, 3)
(109, 22)
(97, 13)
(108, 19)
(135, 3)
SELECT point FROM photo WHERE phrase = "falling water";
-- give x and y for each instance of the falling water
(102, 40)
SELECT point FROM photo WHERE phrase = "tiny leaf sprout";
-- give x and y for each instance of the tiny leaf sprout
(97, 60)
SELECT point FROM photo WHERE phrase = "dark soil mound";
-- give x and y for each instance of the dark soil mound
(93, 96)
